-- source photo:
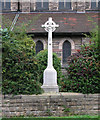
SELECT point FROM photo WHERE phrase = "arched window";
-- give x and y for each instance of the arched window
(66, 50)
(39, 46)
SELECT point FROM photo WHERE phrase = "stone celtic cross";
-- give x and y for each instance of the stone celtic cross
(50, 74)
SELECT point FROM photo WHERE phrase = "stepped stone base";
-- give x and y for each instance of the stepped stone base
(50, 89)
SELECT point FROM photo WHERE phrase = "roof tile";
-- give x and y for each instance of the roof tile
(68, 22)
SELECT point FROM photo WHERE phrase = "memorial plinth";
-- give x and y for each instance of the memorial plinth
(50, 74)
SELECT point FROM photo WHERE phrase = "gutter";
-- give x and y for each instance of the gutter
(60, 33)
(14, 22)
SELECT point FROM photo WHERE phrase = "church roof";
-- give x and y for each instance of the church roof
(68, 22)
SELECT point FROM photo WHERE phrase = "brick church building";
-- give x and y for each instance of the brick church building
(71, 15)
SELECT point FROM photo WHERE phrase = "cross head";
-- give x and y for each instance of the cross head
(50, 25)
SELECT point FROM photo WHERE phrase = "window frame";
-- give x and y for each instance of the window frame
(99, 5)
(4, 5)
(97, 1)
(42, 6)
(70, 50)
(65, 5)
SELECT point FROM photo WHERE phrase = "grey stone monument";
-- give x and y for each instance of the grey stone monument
(50, 74)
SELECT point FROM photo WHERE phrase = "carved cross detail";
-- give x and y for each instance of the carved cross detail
(50, 25)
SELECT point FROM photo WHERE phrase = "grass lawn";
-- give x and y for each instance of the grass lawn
(82, 117)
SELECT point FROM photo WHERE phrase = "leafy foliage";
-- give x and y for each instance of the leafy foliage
(42, 64)
(19, 64)
(84, 69)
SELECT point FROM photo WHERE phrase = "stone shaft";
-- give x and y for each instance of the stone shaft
(50, 59)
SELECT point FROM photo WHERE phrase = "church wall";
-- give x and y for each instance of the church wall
(85, 40)
(76, 42)
(53, 6)
(28, 6)
(14, 6)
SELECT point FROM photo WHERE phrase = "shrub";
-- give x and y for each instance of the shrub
(83, 72)
(19, 64)
(42, 64)
(84, 69)
(64, 84)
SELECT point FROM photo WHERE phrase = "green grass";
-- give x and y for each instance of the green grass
(81, 117)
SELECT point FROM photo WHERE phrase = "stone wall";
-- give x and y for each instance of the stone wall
(61, 104)
(14, 6)
(26, 6)
(53, 6)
